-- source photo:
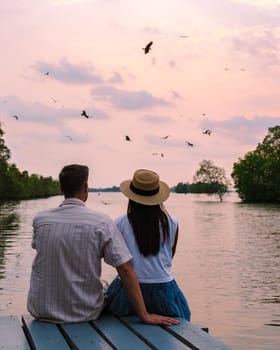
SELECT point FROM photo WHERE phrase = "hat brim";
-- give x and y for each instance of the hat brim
(155, 199)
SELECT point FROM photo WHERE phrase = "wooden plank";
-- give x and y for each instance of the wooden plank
(107, 332)
(43, 335)
(84, 336)
(196, 336)
(118, 334)
(12, 336)
(155, 335)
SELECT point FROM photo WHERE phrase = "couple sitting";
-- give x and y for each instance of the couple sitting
(71, 240)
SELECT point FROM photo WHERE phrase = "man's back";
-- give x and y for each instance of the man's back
(70, 241)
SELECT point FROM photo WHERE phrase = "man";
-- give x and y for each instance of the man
(71, 241)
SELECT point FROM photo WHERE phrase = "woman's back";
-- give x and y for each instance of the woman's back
(151, 268)
(151, 236)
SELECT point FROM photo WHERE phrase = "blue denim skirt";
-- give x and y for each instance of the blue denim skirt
(160, 298)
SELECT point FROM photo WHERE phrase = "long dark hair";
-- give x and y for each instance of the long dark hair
(150, 226)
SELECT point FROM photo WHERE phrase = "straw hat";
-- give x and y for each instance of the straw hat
(145, 188)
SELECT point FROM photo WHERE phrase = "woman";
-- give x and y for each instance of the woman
(151, 235)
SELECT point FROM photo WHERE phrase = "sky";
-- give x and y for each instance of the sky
(213, 64)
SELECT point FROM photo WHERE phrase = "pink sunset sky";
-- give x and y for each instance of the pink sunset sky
(214, 64)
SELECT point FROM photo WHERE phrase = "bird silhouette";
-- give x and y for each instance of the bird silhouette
(84, 114)
(147, 48)
(127, 138)
(154, 154)
(165, 137)
(15, 116)
(47, 73)
(54, 100)
(189, 144)
(162, 155)
(207, 132)
(69, 137)
(105, 203)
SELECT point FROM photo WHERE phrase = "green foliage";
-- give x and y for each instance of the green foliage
(182, 188)
(207, 179)
(202, 187)
(211, 179)
(257, 176)
(15, 184)
(106, 189)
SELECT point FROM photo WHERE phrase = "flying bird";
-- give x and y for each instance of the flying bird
(127, 138)
(189, 144)
(154, 154)
(70, 138)
(84, 114)
(162, 155)
(207, 132)
(165, 137)
(15, 116)
(47, 73)
(54, 100)
(105, 203)
(147, 48)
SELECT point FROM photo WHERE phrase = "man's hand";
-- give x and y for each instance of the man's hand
(160, 320)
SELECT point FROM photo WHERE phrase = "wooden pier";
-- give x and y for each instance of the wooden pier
(107, 332)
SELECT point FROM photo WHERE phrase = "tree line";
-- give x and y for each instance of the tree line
(16, 184)
(256, 176)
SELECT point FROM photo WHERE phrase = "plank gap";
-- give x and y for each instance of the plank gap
(139, 335)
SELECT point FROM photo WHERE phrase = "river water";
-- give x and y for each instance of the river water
(227, 262)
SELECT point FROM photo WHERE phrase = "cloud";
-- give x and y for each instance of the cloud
(66, 2)
(151, 30)
(69, 73)
(245, 13)
(262, 46)
(116, 78)
(122, 99)
(156, 119)
(41, 113)
(242, 129)
(269, 4)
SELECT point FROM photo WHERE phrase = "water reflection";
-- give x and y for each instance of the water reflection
(258, 231)
(9, 224)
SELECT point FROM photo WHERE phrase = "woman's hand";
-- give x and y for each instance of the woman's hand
(159, 320)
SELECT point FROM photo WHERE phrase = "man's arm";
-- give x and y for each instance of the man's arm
(131, 284)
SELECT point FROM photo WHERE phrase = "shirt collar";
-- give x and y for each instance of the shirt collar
(72, 201)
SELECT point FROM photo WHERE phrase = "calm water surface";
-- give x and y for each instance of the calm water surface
(227, 262)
